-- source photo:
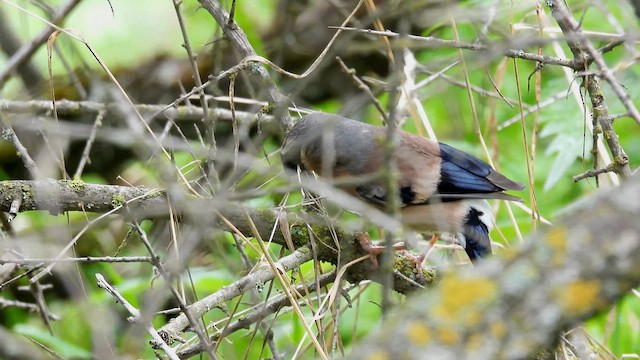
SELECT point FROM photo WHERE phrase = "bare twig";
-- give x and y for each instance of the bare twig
(10, 44)
(239, 39)
(583, 46)
(29, 164)
(594, 173)
(87, 148)
(209, 121)
(262, 311)
(260, 276)
(362, 86)
(102, 283)
(150, 111)
(5, 303)
(27, 51)
(433, 42)
(186, 311)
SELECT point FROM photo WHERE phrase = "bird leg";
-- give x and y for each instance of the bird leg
(435, 237)
(374, 250)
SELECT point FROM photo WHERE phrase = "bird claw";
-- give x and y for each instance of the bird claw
(374, 250)
(417, 260)
(367, 245)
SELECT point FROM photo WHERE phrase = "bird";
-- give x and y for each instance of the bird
(441, 188)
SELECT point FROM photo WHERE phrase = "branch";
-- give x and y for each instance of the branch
(511, 308)
(135, 314)
(430, 42)
(10, 43)
(263, 310)
(581, 48)
(78, 108)
(27, 51)
(58, 196)
(239, 39)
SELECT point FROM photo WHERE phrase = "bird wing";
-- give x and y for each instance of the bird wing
(465, 173)
(431, 172)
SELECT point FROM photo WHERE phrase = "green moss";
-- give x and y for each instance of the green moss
(298, 232)
(404, 264)
(155, 194)
(27, 192)
(430, 275)
(304, 250)
(117, 200)
(77, 185)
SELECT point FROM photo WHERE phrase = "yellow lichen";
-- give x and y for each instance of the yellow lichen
(475, 341)
(462, 298)
(418, 333)
(448, 336)
(498, 329)
(579, 296)
(378, 356)
(557, 240)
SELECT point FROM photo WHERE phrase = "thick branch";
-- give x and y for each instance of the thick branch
(510, 308)
(77, 108)
(58, 196)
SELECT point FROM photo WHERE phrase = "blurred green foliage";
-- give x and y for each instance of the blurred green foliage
(138, 31)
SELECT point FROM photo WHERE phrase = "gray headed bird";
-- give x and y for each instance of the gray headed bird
(441, 188)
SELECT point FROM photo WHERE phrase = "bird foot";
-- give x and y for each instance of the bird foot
(374, 250)
(367, 245)
(417, 261)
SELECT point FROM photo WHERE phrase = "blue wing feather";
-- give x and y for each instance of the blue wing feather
(464, 173)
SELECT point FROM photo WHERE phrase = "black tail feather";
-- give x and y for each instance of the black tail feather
(476, 235)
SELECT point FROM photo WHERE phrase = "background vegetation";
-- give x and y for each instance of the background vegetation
(506, 81)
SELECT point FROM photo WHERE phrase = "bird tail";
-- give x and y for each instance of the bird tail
(476, 229)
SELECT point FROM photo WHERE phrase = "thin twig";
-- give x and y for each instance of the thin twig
(195, 325)
(362, 86)
(27, 51)
(87, 147)
(102, 283)
(583, 46)
(5, 303)
(594, 173)
(29, 164)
